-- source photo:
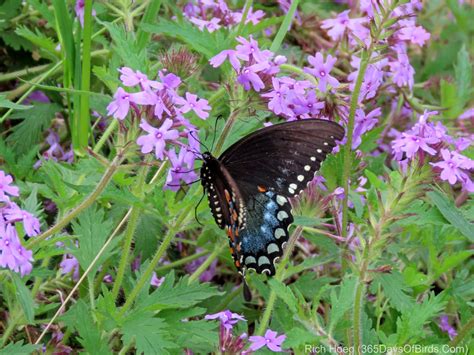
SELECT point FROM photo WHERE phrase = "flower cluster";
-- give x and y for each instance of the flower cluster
(55, 151)
(427, 139)
(212, 15)
(446, 327)
(227, 342)
(162, 112)
(12, 253)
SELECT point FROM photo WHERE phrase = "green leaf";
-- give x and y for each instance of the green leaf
(208, 44)
(80, 318)
(92, 230)
(285, 293)
(395, 289)
(24, 297)
(39, 39)
(19, 348)
(452, 214)
(410, 324)
(342, 302)
(4, 102)
(463, 74)
(35, 121)
(179, 295)
(148, 333)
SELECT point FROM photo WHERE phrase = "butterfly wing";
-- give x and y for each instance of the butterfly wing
(268, 166)
(283, 157)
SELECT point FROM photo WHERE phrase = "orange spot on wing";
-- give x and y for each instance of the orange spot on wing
(227, 195)
(261, 188)
(237, 263)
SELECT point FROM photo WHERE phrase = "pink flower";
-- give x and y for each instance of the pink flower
(414, 34)
(79, 8)
(14, 214)
(321, 70)
(6, 188)
(231, 54)
(131, 78)
(227, 318)
(156, 137)
(13, 255)
(336, 27)
(192, 102)
(270, 340)
(156, 281)
(70, 264)
(249, 78)
(452, 168)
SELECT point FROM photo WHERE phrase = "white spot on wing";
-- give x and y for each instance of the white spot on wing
(279, 232)
(293, 186)
(319, 150)
(263, 260)
(250, 260)
(281, 200)
(307, 168)
(282, 215)
(272, 248)
(300, 177)
(313, 158)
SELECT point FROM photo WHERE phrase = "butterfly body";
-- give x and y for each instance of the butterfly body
(250, 184)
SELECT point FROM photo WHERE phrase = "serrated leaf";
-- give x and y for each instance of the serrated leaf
(395, 289)
(24, 297)
(148, 333)
(285, 294)
(4, 102)
(463, 74)
(19, 348)
(452, 214)
(35, 121)
(179, 295)
(410, 324)
(208, 44)
(80, 318)
(342, 302)
(92, 230)
(39, 39)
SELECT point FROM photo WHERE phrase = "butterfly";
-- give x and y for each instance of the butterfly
(250, 184)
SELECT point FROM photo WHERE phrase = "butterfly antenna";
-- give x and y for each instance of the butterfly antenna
(191, 133)
(186, 184)
(196, 208)
(215, 131)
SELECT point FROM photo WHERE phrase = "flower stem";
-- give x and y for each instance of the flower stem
(203, 267)
(280, 276)
(130, 231)
(104, 181)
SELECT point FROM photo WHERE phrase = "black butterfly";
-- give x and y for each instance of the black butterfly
(248, 186)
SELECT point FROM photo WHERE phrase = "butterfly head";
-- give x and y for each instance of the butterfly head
(206, 156)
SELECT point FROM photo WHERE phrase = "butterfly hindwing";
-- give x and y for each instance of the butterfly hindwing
(266, 231)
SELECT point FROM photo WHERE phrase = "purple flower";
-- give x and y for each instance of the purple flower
(181, 169)
(156, 281)
(231, 54)
(446, 327)
(13, 255)
(249, 78)
(364, 123)
(70, 264)
(211, 25)
(277, 101)
(14, 214)
(452, 167)
(131, 78)
(199, 106)
(227, 318)
(307, 105)
(410, 144)
(156, 137)
(336, 27)
(414, 34)
(120, 104)
(6, 188)
(321, 70)
(270, 340)
(247, 49)
(402, 71)
(469, 114)
(79, 8)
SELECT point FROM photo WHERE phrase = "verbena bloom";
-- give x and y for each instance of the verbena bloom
(131, 78)
(336, 27)
(192, 102)
(12, 254)
(230, 54)
(13, 213)
(6, 188)
(446, 327)
(79, 9)
(120, 105)
(454, 167)
(70, 264)
(181, 168)
(157, 137)
(227, 318)
(414, 34)
(321, 70)
(270, 340)
(401, 69)
(363, 124)
(156, 281)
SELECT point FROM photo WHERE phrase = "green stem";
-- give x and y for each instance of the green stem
(91, 292)
(348, 146)
(203, 267)
(10, 328)
(83, 124)
(279, 276)
(248, 4)
(16, 74)
(299, 71)
(182, 261)
(360, 291)
(110, 129)
(104, 181)
(465, 331)
(285, 25)
(129, 233)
